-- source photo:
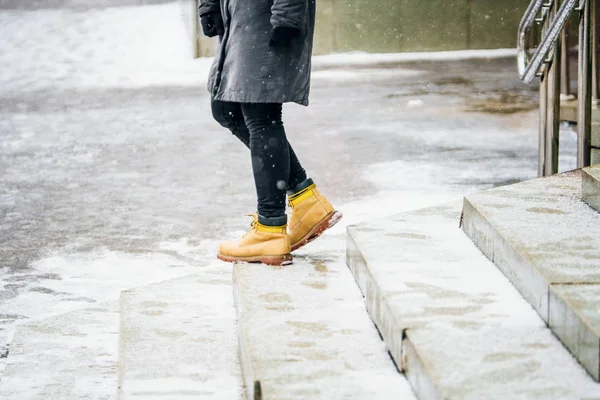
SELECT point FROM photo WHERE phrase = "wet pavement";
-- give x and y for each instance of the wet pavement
(102, 171)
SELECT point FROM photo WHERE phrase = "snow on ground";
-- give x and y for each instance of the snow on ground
(111, 47)
(114, 174)
(363, 58)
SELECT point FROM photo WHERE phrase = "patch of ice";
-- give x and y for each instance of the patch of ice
(415, 103)
(68, 282)
(566, 97)
(363, 58)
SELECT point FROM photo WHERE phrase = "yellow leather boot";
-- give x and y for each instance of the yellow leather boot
(264, 244)
(311, 215)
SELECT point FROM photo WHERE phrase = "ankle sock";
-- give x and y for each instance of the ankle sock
(272, 221)
(300, 187)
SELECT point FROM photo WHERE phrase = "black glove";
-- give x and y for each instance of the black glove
(282, 35)
(212, 24)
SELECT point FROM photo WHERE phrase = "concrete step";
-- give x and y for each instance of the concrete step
(178, 340)
(590, 190)
(304, 334)
(70, 356)
(514, 363)
(547, 242)
(453, 323)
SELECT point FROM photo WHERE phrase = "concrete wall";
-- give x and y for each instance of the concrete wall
(189, 14)
(411, 25)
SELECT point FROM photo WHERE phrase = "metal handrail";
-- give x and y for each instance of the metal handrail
(527, 23)
(529, 18)
(550, 62)
(528, 69)
(584, 87)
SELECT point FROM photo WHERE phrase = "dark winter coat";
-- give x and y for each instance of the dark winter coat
(247, 68)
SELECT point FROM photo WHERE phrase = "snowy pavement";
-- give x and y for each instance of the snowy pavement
(78, 48)
(305, 334)
(114, 175)
(458, 324)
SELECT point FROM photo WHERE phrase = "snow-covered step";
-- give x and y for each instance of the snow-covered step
(69, 356)
(454, 324)
(179, 341)
(304, 334)
(544, 238)
(590, 191)
(515, 363)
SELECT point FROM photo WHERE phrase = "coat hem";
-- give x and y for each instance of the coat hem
(235, 97)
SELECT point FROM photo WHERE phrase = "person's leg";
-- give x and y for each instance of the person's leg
(267, 241)
(230, 116)
(270, 160)
(297, 173)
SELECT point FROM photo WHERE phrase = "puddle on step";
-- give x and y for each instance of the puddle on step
(320, 266)
(543, 210)
(316, 285)
(301, 345)
(275, 297)
(500, 357)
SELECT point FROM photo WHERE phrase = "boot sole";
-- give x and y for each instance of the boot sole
(328, 222)
(285, 259)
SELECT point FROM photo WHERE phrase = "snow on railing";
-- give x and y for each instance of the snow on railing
(546, 62)
(529, 68)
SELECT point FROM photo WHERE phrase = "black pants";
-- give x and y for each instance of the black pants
(274, 164)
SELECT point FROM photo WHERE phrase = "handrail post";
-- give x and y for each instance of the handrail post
(565, 70)
(595, 20)
(553, 106)
(543, 126)
(543, 133)
(584, 120)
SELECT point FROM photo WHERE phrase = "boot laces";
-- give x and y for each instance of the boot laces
(253, 224)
